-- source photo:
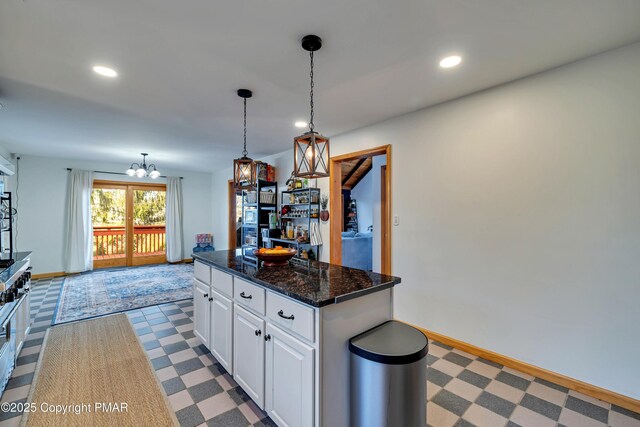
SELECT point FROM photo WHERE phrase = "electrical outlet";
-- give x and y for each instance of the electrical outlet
(396, 220)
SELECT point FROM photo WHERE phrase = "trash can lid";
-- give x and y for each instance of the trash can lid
(392, 343)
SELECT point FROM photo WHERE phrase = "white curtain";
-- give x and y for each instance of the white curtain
(79, 244)
(174, 220)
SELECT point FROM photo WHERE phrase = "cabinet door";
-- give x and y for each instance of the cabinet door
(248, 353)
(289, 392)
(201, 312)
(221, 328)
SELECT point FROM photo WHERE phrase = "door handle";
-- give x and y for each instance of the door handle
(267, 337)
(206, 295)
(242, 294)
(258, 332)
(281, 314)
(210, 299)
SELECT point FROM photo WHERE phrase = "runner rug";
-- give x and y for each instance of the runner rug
(96, 373)
(101, 292)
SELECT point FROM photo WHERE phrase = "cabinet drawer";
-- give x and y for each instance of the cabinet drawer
(291, 315)
(249, 295)
(222, 282)
(202, 272)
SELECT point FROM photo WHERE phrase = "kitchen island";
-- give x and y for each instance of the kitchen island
(282, 332)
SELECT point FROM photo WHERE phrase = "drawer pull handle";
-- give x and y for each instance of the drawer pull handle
(267, 337)
(281, 314)
(245, 296)
(206, 295)
(258, 332)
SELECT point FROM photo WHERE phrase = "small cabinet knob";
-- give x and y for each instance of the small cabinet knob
(206, 295)
(267, 337)
(210, 299)
(258, 332)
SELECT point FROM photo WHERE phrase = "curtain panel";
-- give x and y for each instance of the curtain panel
(79, 227)
(174, 220)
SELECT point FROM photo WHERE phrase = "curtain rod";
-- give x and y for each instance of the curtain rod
(120, 173)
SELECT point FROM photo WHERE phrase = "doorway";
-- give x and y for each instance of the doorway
(128, 224)
(235, 215)
(347, 171)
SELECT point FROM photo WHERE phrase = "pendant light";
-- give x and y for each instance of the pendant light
(311, 150)
(244, 169)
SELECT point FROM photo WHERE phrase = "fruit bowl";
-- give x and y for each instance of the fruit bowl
(275, 257)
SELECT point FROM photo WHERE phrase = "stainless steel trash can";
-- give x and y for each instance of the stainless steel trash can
(389, 377)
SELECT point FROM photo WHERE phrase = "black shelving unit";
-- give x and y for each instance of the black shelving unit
(255, 216)
(302, 206)
(7, 227)
(352, 216)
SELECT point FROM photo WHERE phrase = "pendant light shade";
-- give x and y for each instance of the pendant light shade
(244, 168)
(311, 150)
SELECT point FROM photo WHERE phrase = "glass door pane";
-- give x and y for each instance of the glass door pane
(108, 215)
(149, 224)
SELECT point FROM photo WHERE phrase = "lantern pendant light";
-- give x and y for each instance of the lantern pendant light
(311, 150)
(244, 168)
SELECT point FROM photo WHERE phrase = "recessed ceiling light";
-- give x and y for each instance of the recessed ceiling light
(105, 71)
(450, 61)
(301, 124)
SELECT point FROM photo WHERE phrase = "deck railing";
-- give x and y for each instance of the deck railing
(110, 242)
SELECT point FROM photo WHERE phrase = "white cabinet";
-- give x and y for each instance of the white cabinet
(202, 272)
(221, 330)
(289, 374)
(248, 353)
(201, 311)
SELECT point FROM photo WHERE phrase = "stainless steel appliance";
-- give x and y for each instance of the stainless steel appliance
(15, 318)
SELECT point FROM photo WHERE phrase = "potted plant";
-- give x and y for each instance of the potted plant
(324, 213)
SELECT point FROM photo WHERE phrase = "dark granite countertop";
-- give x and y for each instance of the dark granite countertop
(317, 284)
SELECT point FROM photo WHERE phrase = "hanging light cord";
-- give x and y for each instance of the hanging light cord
(311, 92)
(244, 152)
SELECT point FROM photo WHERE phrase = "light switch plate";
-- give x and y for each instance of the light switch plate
(396, 220)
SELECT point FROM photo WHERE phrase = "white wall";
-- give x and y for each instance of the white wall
(365, 199)
(519, 216)
(42, 196)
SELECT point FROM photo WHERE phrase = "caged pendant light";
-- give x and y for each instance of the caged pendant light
(311, 150)
(244, 168)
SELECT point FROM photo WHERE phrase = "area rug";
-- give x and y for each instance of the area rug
(109, 291)
(95, 373)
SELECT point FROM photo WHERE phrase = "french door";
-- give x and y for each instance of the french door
(128, 224)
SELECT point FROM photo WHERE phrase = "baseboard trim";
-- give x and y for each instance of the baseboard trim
(554, 377)
(48, 275)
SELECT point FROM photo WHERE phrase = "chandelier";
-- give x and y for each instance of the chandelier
(141, 169)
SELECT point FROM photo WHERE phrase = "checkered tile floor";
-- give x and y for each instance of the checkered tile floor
(462, 390)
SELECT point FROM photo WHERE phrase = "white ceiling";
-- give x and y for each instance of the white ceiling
(180, 63)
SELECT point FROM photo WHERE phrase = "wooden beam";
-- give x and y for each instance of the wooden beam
(352, 171)
(366, 171)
